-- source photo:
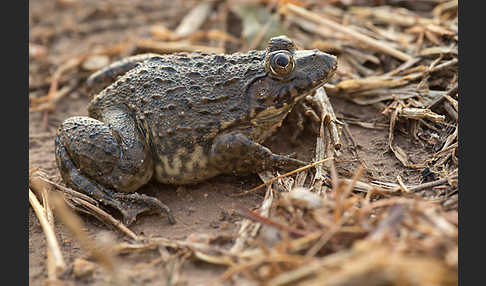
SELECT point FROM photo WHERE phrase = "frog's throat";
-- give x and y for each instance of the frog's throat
(271, 115)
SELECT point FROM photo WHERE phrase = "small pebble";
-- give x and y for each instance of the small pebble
(83, 268)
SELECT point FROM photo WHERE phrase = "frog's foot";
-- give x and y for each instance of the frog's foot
(94, 160)
(307, 113)
(285, 161)
(130, 205)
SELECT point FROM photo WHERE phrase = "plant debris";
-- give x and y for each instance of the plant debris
(334, 222)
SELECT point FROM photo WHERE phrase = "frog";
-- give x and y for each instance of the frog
(183, 118)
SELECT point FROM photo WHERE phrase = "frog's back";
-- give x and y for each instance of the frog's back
(198, 93)
(184, 100)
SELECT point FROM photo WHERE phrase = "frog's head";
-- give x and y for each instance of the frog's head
(290, 75)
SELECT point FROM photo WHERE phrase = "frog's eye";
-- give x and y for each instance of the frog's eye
(281, 63)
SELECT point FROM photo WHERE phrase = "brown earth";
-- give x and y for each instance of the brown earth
(76, 27)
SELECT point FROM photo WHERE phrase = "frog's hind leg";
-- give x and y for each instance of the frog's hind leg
(111, 72)
(107, 164)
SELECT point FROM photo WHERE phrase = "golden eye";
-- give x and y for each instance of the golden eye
(281, 63)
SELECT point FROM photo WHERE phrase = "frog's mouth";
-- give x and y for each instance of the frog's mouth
(276, 113)
(317, 68)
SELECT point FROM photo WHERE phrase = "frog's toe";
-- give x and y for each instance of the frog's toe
(311, 112)
(284, 162)
(305, 115)
(130, 205)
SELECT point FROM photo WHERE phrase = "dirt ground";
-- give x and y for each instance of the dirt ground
(67, 29)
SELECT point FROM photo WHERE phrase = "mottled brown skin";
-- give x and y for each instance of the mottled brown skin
(184, 118)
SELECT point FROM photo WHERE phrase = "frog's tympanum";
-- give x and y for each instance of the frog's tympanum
(184, 118)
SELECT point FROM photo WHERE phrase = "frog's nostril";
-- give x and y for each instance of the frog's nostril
(329, 60)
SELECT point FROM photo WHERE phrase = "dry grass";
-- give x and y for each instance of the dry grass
(319, 228)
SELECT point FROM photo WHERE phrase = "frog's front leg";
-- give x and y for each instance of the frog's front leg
(107, 161)
(236, 153)
(307, 112)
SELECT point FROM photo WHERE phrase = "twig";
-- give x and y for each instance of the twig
(255, 216)
(70, 191)
(451, 100)
(194, 19)
(329, 117)
(147, 45)
(118, 224)
(448, 107)
(387, 15)
(54, 96)
(444, 65)
(403, 188)
(366, 187)
(328, 235)
(431, 184)
(42, 189)
(379, 46)
(394, 217)
(399, 153)
(75, 225)
(396, 187)
(354, 180)
(287, 277)
(419, 113)
(450, 139)
(91, 204)
(52, 243)
(260, 35)
(248, 227)
(282, 176)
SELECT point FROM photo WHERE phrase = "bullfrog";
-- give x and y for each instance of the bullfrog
(183, 118)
